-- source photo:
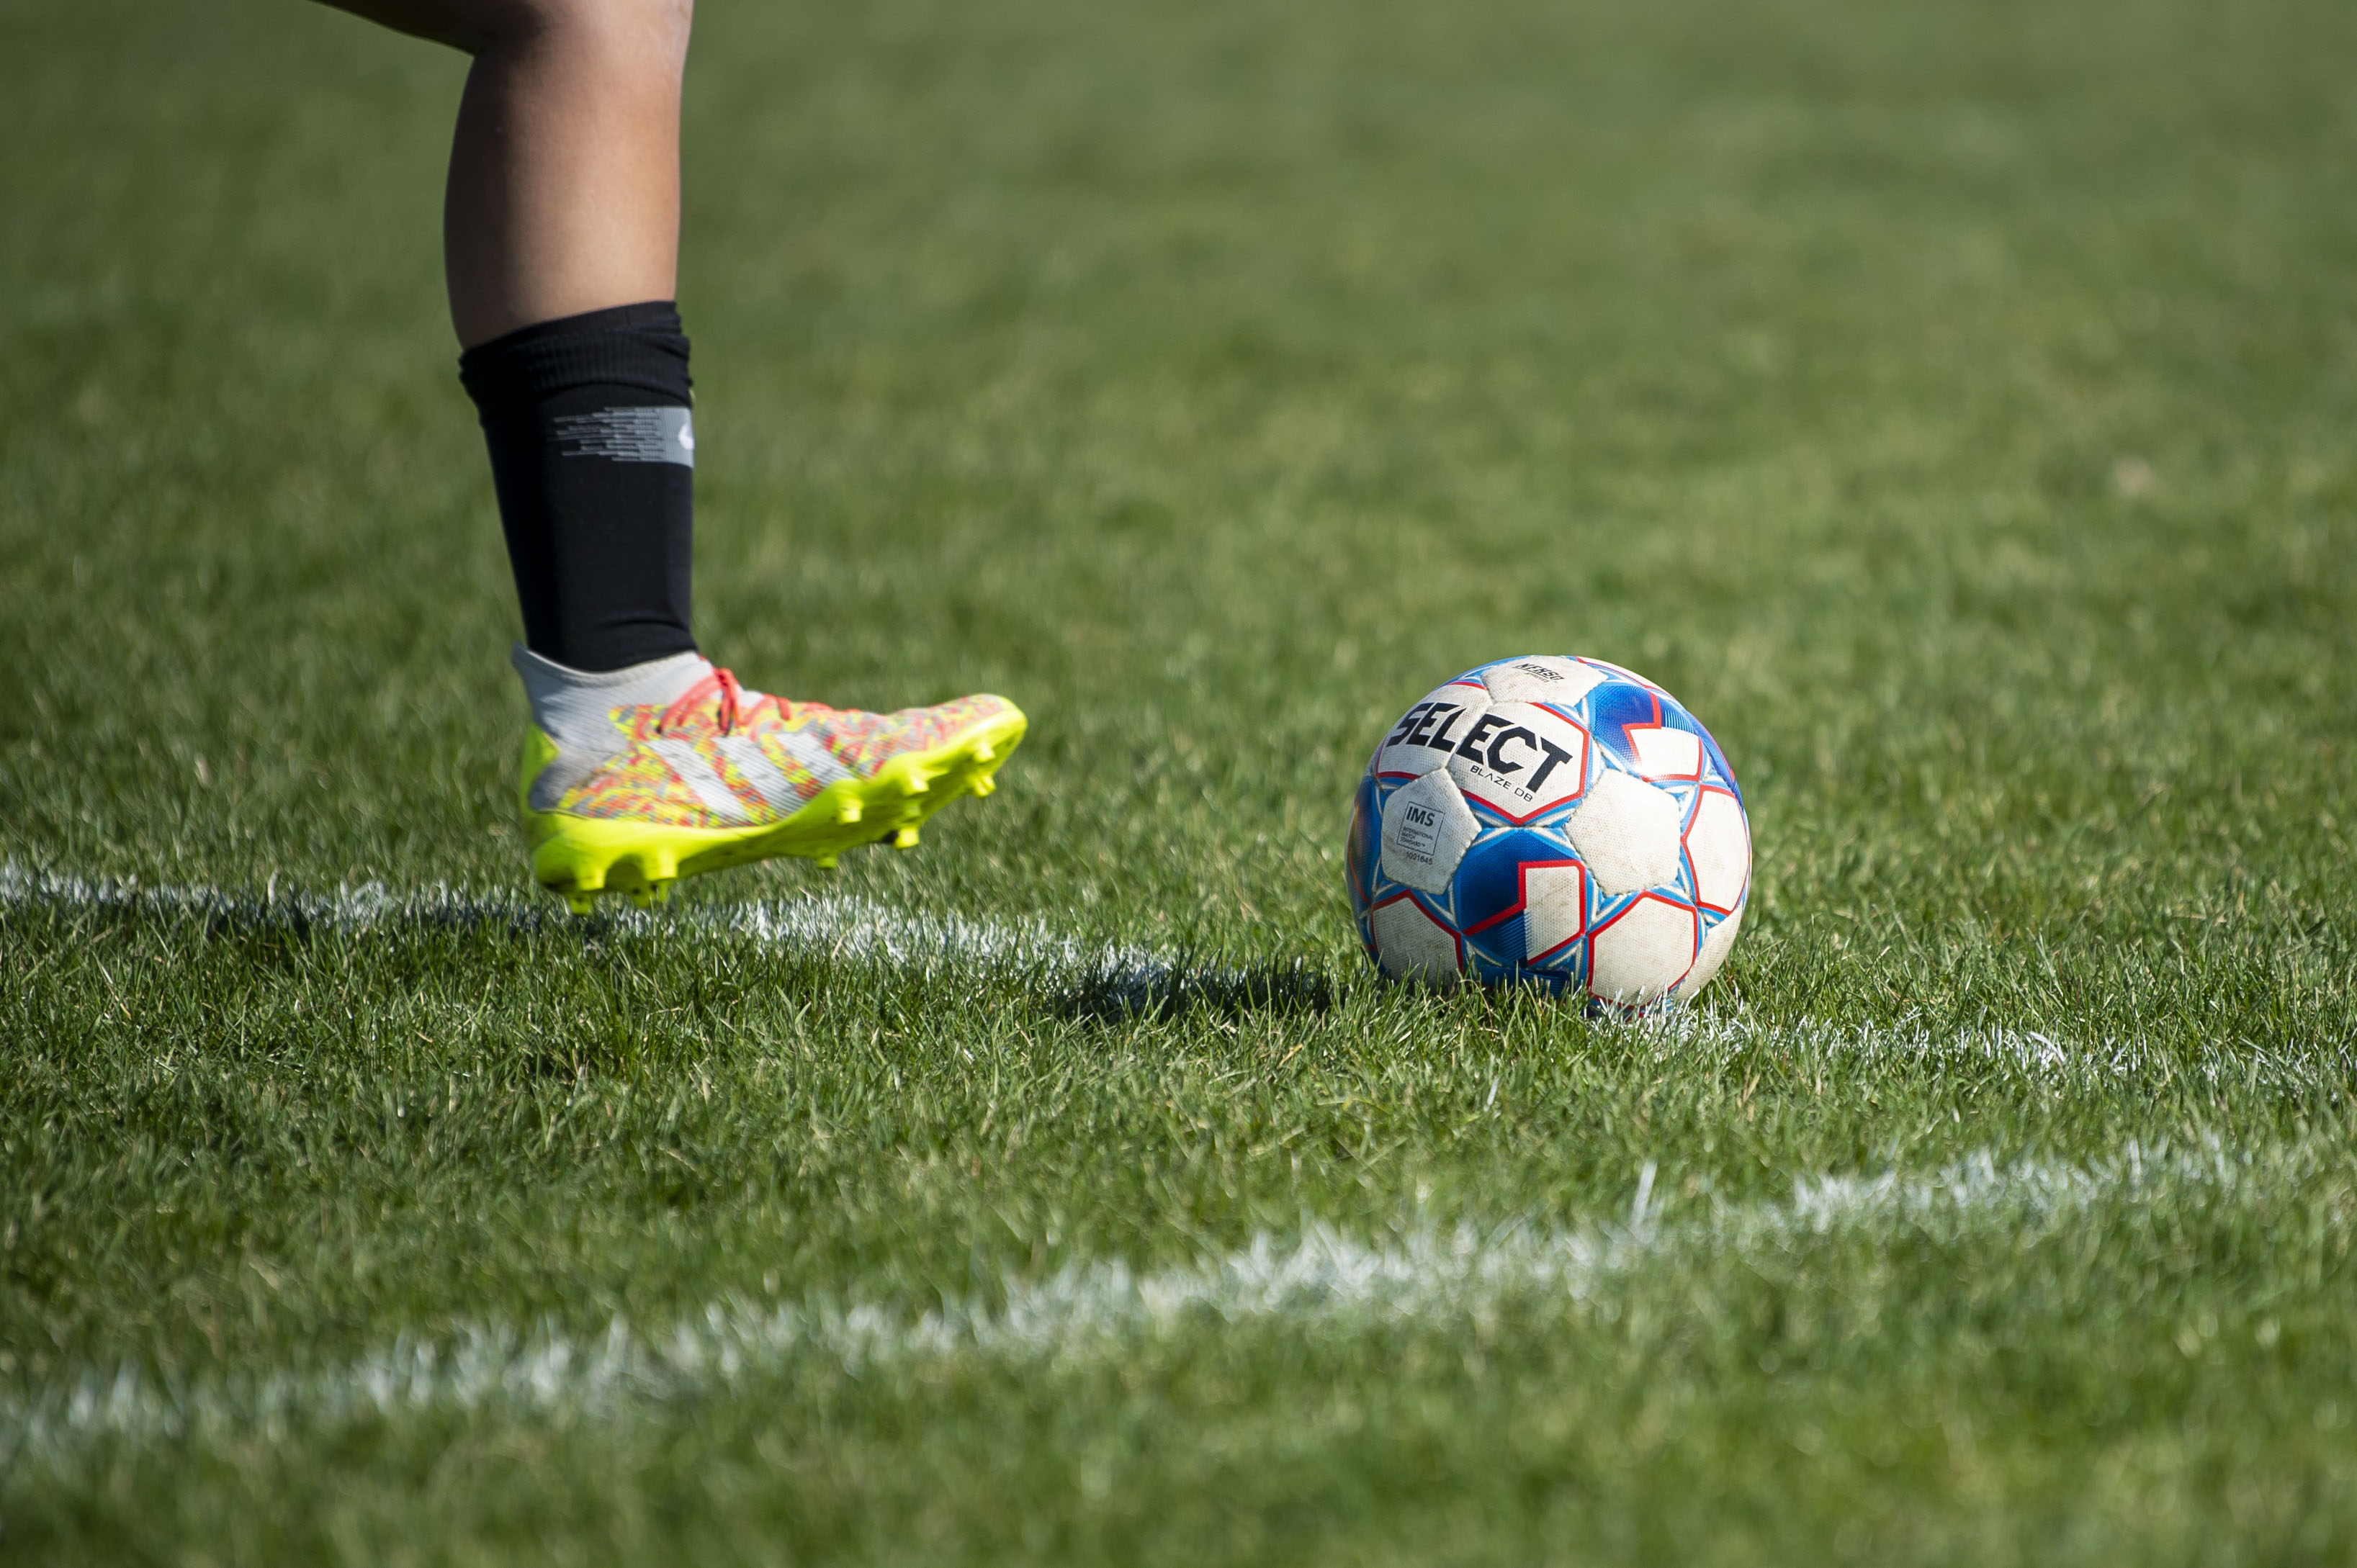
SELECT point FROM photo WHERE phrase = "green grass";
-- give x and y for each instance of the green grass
(1952, 404)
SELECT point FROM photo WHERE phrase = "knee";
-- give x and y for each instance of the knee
(651, 29)
(642, 33)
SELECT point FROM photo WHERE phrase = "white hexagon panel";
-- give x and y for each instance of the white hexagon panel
(1542, 679)
(1642, 951)
(1427, 829)
(1410, 943)
(1520, 761)
(1719, 850)
(1716, 945)
(1627, 832)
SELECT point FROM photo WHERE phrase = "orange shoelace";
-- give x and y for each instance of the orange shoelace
(731, 694)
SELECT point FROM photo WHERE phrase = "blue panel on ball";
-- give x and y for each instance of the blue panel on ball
(1492, 967)
(1719, 760)
(1489, 879)
(1497, 950)
(1360, 853)
(1612, 708)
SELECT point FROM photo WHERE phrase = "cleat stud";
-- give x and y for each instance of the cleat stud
(582, 903)
(590, 878)
(661, 891)
(982, 751)
(984, 784)
(905, 839)
(826, 863)
(657, 866)
(644, 898)
(849, 812)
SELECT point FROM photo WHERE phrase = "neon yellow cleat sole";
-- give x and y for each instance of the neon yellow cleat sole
(580, 859)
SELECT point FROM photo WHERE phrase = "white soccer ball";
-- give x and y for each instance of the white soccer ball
(1563, 821)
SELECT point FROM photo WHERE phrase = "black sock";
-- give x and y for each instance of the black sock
(593, 454)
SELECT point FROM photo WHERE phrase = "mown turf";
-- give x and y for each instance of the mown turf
(1951, 405)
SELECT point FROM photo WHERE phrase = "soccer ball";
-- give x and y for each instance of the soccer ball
(1563, 821)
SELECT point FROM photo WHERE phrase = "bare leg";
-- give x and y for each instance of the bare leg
(564, 193)
(562, 239)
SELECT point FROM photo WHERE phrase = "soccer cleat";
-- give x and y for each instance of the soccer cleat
(636, 778)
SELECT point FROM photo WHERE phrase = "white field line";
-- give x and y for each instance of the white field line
(833, 926)
(1100, 1307)
(2023, 1055)
(829, 925)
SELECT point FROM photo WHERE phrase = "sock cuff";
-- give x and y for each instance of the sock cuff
(574, 708)
(657, 681)
(641, 347)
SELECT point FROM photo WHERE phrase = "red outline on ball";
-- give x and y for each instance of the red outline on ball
(1685, 848)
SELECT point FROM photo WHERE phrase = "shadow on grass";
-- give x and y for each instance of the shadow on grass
(277, 926)
(1169, 990)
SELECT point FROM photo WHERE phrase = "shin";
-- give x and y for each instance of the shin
(564, 191)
